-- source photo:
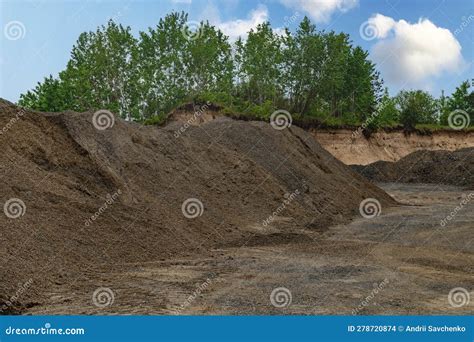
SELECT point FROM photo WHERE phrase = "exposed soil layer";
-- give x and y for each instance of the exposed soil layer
(439, 167)
(401, 262)
(94, 199)
(352, 147)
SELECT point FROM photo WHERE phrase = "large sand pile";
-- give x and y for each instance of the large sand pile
(136, 178)
(439, 167)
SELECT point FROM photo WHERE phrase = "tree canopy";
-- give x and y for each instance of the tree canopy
(310, 73)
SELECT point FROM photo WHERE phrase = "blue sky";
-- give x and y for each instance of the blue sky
(427, 44)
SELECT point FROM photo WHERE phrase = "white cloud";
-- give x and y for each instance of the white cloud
(240, 27)
(320, 10)
(382, 25)
(413, 54)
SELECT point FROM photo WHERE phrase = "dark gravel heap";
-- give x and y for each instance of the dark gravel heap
(439, 167)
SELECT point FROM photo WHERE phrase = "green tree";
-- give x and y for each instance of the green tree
(261, 65)
(47, 96)
(303, 59)
(311, 73)
(163, 82)
(338, 50)
(416, 106)
(363, 85)
(209, 62)
(461, 99)
(98, 75)
(386, 114)
(100, 70)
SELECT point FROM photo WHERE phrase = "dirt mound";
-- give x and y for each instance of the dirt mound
(76, 197)
(440, 167)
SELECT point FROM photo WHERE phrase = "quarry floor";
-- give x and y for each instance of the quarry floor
(401, 262)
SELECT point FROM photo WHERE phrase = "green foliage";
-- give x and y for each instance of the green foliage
(48, 96)
(217, 98)
(260, 57)
(461, 99)
(309, 73)
(386, 114)
(99, 73)
(157, 120)
(304, 56)
(262, 111)
(416, 107)
(313, 74)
